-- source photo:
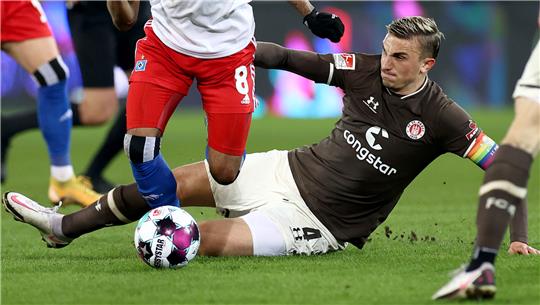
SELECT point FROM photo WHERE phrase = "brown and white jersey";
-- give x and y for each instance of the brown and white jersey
(352, 179)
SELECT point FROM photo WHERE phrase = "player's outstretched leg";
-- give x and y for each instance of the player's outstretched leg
(46, 220)
(120, 206)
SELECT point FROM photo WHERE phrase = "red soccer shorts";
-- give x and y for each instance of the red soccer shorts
(162, 76)
(227, 132)
(226, 84)
(22, 20)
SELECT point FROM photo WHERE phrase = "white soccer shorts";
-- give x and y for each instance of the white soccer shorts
(529, 83)
(267, 198)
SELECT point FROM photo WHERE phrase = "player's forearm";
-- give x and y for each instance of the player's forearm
(124, 13)
(304, 63)
(302, 7)
(519, 226)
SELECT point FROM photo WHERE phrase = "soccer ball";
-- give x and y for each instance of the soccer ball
(167, 237)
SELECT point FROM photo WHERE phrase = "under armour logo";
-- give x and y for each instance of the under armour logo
(98, 206)
(372, 104)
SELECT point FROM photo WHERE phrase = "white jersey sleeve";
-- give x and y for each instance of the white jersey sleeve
(203, 28)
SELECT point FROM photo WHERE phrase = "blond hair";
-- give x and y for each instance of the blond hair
(422, 28)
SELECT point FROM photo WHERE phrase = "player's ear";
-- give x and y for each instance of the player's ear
(427, 64)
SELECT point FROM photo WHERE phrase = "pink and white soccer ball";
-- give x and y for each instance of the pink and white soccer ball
(167, 237)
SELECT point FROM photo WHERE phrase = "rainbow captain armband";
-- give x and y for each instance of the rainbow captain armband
(482, 150)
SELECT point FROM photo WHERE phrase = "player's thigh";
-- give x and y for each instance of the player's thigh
(282, 228)
(193, 186)
(32, 53)
(227, 137)
(225, 237)
(228, 132)
(25, 34)
(227, 84)
(227, 91)
(257, 184)
(150, 106)
(525, 128)
(157, 85)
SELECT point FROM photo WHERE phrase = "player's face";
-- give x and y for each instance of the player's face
(403, 69)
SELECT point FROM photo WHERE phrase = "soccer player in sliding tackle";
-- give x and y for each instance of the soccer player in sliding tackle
(316, 198)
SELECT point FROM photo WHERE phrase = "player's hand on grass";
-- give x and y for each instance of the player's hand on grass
(517, 247)
(325, 25)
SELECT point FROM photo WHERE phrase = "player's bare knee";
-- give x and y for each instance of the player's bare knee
(223, 175)
(96, 116)
(223, 167)
(98, 109)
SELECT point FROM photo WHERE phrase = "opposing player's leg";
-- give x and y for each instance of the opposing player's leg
(227, 136)
(54, 115)
(227, 87)
(157, 85)
(150, 105)
(504, 188)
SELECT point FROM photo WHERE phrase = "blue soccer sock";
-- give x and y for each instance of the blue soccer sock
(54, 116)
(155, 182)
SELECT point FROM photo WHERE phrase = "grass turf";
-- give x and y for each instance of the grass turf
(429, 233)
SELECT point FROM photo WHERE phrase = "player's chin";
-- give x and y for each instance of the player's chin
(389, 84)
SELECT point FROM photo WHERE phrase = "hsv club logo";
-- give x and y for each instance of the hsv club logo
(344, 61)
(415, 129)
(140, 65)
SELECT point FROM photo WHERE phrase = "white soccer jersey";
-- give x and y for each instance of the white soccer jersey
(203, 28)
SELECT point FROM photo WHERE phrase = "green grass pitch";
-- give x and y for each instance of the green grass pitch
(439, 208)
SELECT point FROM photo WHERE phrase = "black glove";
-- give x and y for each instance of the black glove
(325, 25)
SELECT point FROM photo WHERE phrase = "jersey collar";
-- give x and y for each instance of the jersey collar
(410, 94)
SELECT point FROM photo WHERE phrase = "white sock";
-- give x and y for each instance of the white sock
(62, 173)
